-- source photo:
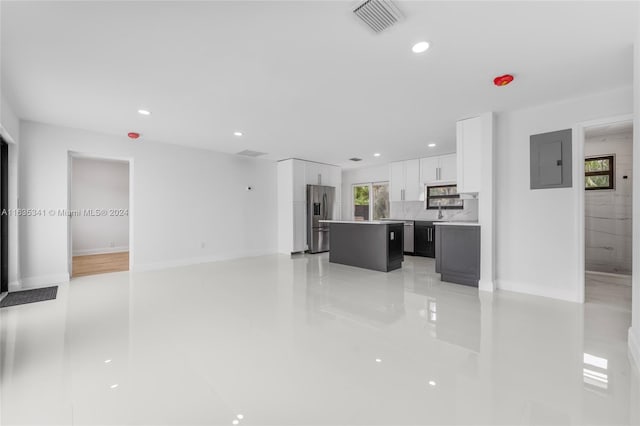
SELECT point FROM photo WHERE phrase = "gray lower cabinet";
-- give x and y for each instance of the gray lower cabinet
(370, 246)
(458, 254)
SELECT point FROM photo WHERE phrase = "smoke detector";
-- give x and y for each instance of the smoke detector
(378, 14)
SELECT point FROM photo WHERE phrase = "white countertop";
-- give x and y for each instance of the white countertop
(457, 223)
(363, 222)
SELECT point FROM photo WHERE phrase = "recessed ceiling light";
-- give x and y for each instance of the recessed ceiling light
(378, 360)
(420, 47)
(235, 422)
(107, 361)
(432, 383)
(237, 133)
(114, 386)
(431, 145)
(377, 154)
(240, 416)
(144, 112)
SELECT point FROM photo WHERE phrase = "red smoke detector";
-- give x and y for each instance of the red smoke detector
(503, 80)
(133, 135)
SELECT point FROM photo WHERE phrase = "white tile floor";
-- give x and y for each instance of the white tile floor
(283, 341)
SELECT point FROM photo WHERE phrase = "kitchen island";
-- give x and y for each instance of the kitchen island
(376, 245)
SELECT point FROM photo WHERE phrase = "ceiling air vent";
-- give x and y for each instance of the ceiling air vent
(378, 14)
(249, 153)
(355, 159)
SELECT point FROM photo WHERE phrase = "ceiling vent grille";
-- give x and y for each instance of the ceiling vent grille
(250, 153)
(355, 159)
(378, 14)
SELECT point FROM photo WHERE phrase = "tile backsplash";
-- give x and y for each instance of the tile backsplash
(415, 210)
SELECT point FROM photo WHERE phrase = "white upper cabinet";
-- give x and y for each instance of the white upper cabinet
(299, 186)
(312, 173)
(429, 169)
(441, 168)
(405, 181)
(412, 180)
(469, 134)
(448, 167)
(396, 183)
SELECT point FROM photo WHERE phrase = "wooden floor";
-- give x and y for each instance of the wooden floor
(100, 263)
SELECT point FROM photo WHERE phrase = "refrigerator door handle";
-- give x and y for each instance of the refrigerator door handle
(324, 206)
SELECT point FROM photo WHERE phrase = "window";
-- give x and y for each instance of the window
(371, 201)
(445, 196)
(598, 173)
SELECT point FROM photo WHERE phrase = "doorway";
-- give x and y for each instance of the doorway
(4, 217)
(608, 218)
(99, 207)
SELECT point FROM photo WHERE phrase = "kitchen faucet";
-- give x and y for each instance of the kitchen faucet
(440, 216)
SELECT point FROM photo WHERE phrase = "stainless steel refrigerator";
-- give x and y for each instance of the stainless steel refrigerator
(320, 202)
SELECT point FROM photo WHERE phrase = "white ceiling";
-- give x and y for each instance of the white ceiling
(303, 79)
(609, 129)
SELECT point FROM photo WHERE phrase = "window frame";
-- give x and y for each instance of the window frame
(610, 172)
(371, 197)
(429, 197)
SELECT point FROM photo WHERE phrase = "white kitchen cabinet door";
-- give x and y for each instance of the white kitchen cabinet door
(299, 227)
(448, 167)
(428, 169)
(396, 184)
(325, 177)
(299, 185)
(469, 154)
(412, 180)
(312, 173)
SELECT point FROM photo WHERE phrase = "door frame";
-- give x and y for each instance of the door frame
(74, 154)
(4, 219)
(579, 191)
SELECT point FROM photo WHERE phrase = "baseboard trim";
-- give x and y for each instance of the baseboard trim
(531, 290)
(103, 250)
(634, 348)
(39, 282)
(486, 285)
(15, 285)
(154, 266)
(611, 274)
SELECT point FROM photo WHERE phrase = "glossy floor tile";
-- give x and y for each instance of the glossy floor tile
(299, 341)
(611, 290)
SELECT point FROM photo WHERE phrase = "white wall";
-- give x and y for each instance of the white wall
(182, 198)
(99, 184)
(634, 332)
(537, 237)
(608, 212)
(361, 175)
(10, 130)
(9, 121)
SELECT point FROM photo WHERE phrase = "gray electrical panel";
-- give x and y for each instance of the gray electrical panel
(550, 160)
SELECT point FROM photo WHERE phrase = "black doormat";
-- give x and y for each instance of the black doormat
(29, 296)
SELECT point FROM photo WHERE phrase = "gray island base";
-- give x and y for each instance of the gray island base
(367, 244)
